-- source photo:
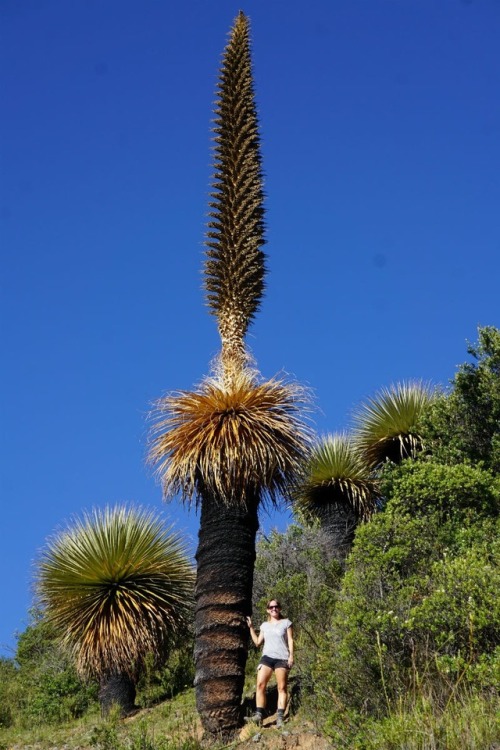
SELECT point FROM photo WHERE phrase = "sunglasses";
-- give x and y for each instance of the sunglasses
(273, 606)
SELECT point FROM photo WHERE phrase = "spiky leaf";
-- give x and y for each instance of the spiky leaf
(115, 585)
(335, 474)
(233, 443)
(386, 425)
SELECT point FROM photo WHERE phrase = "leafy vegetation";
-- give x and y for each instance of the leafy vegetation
(399, 648)
(463, 425)
(405, 651)
(41, 685)
(415, 604)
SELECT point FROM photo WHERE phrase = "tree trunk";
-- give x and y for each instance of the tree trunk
(117, 689)
(225, 558)
(339, 520)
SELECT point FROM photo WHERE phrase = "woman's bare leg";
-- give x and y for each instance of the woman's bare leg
(282, 680)
(263, 677)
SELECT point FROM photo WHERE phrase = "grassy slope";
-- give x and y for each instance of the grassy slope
(172, 725)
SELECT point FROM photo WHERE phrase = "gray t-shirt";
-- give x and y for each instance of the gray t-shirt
(276, 638)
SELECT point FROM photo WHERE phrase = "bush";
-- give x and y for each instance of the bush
(462, 492)
(161, 683)
(416, 606)
(47, 688)
(467, 721)
(8, 675)
(459, 612)
(463, 426)
(299, 568)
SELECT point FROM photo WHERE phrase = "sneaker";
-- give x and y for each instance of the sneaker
(256, 718)
(280, 723)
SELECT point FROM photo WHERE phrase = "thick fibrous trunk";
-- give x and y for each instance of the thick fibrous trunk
(339, 520)
(117, 689)
(225, 558)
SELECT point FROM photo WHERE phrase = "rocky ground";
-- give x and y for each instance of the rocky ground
(271, 739)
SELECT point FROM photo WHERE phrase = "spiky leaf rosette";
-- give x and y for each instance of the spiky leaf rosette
(235, 263)
(386, 426)
(335, 474)
(115, 585)
(231, 444)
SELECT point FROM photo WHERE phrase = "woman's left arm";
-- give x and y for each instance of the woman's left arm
(289, 633)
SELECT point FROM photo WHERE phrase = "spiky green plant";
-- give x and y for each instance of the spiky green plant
(116, 585)
(386, 425)
(335, 472)
(337, 488)
(235, 440)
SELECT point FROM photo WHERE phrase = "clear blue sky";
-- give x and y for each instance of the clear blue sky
(381, 142)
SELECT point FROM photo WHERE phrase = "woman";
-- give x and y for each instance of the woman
(277, 656)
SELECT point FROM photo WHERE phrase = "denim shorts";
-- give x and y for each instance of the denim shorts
(268, 661)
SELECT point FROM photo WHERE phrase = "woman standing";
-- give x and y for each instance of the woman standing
(277, 656)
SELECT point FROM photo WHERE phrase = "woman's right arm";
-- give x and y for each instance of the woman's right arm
(257, 639)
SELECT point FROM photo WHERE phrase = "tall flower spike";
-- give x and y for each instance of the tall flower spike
(235, 263)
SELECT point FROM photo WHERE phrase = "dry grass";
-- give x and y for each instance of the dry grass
(231, 442)
(173, 725)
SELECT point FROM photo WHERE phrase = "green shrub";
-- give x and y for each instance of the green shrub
(459, 612)
(46, 689)
(419, 603)
(467, 721)
(54, 697)
(177, 674)
(464, 424)
(8, 675)
(299, 568)
(461, 492)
